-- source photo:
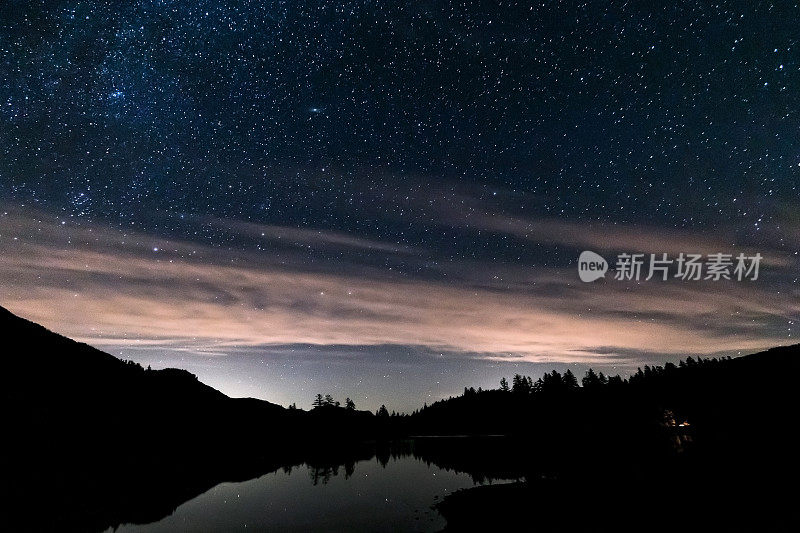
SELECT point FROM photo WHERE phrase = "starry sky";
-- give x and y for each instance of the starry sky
(386, 200)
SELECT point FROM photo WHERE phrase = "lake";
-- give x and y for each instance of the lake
(387, 492)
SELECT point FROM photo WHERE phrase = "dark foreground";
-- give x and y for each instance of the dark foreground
(724, 498)
(94, 442)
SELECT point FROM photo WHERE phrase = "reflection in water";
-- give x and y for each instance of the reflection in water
(383, 488)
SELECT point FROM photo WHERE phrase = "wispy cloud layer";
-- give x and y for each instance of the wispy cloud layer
(115, 288)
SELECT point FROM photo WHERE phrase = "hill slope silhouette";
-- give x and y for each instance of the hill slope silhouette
(707, 445)
(104, 441)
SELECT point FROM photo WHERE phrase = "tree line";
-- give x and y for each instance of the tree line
(556, 383)
(328, 401)
(551, 383)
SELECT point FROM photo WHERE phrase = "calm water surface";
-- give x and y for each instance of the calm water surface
(370, 496)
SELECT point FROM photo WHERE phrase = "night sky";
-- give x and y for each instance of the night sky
(386, 200)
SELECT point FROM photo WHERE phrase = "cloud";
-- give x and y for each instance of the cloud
(116, 288)
(303, 237)
(611, 237)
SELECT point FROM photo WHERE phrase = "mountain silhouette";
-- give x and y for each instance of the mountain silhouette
(69, 387)
(106, 441)
(52, 365)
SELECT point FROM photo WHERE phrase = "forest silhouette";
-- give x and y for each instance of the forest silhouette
(96, 441)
